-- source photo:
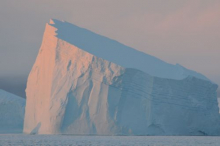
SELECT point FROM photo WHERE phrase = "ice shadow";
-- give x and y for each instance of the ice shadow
(36, 129)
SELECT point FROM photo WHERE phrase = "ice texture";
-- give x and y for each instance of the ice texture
(84, 83)
(11, 113)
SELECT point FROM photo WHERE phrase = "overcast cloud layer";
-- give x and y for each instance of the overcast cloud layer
(185, 32)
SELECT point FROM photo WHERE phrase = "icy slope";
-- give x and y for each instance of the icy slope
(72, 91)
(11, 113)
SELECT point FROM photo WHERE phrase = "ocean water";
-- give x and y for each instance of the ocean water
(70, 140)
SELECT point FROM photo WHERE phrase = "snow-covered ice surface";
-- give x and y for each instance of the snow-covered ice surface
(84, 83)
(11, 113)
(68, 140)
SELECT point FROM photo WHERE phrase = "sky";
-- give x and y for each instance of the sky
(185, 32)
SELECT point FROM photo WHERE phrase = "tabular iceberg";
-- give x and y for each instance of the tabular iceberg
(11, 113)
(84, 83)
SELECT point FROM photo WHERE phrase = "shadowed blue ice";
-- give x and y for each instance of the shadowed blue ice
(118, 53)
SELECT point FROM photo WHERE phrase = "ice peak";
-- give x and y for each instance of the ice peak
(51, 21)
(55, 21)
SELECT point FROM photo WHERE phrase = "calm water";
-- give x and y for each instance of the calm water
(69, 140)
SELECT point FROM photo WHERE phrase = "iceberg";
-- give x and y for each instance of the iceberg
(87, 84)
(11, 113)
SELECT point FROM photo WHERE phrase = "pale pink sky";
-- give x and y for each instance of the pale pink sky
(185, 32)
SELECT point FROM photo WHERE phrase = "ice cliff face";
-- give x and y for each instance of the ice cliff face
(84, 83)
(11, 113)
